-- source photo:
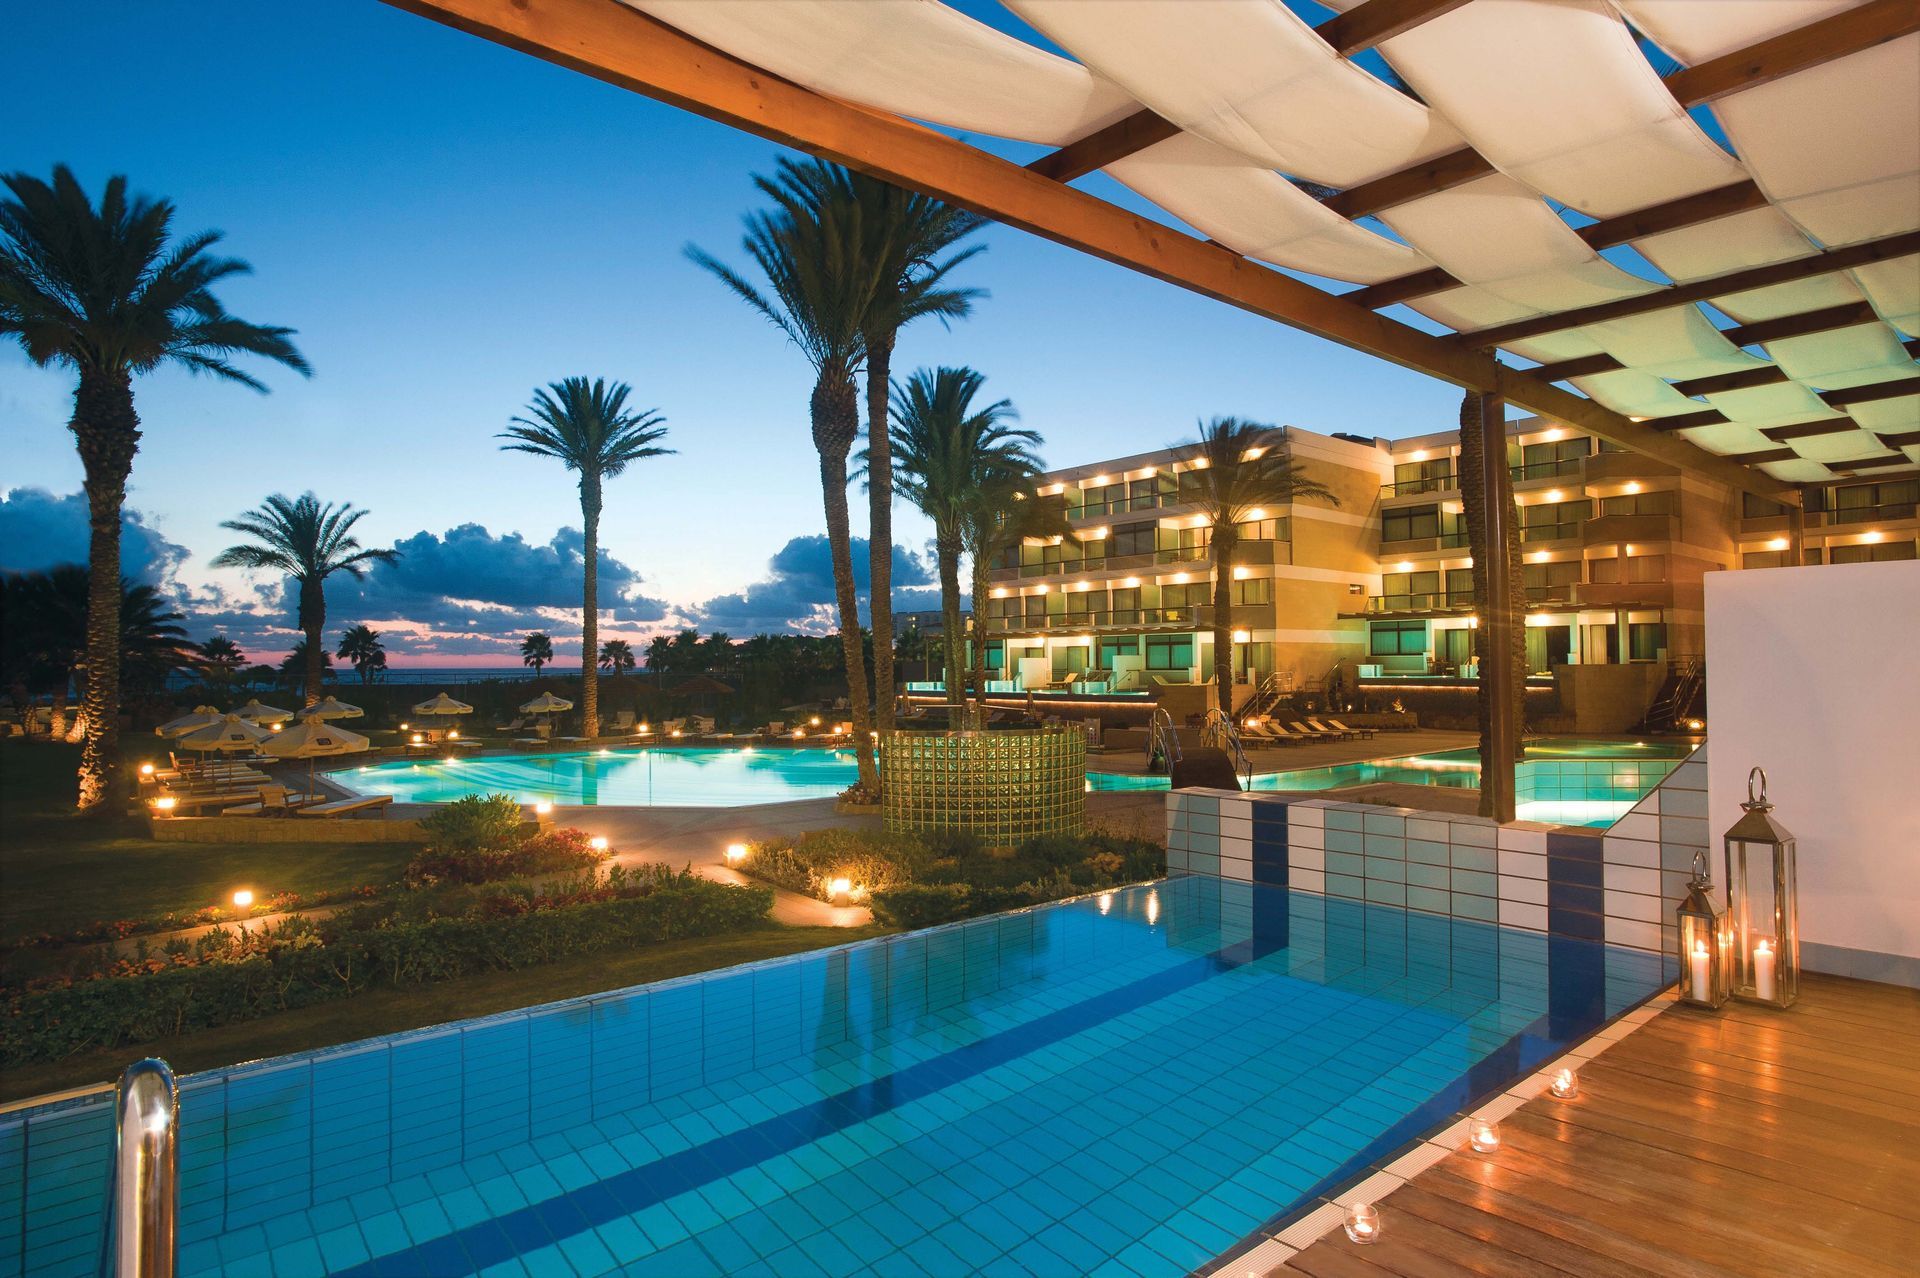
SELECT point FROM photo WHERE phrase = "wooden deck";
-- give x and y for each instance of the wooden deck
(1739, 1143)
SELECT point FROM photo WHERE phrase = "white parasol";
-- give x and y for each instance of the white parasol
(254, 712)
(230, 733)
(332, 708)
(443, 704)
(314, 738)
(546, 703)
(202, 717)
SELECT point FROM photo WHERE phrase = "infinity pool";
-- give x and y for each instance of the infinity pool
(1570, 781)
(1129, 1085)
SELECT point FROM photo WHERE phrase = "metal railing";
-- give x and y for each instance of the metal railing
(1219, 733)
(1163, 743)
(144, 1182)
(1095, 619)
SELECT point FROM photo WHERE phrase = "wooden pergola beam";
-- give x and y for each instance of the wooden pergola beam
(1810, 46)
(624, 47)
(1802, 268)
(1873, 392)
(1809, 430)
(1356, 30)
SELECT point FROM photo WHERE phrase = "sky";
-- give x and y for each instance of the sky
(448, 225)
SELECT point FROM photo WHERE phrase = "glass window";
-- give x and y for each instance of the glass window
(1552, 521)
(1253, 590)
(1459, 586)
(1169, 652)
(1430, 476)
(1410, 589)
(1397, 638)
(1552, 457)
(1551, 581)
(1655, 503)
(1885, 552)
(1143, 494)
(1126, 604)
(1756, 507)
(1131, 539)
(1409, 522)
(1645, 639)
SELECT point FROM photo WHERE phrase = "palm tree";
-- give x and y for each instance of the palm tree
(905, 233)
(822, 285)
(947, 450)
(536, 650)
(361, 645)
(309, 542)
(1245, 473)
(588, 427)
(46, 634)
(222, 658)
(1000, 516)
(108, 292)
(617, 656)
(294, 667)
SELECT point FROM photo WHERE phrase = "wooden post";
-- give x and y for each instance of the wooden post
(1797, 533)
(1497, 617)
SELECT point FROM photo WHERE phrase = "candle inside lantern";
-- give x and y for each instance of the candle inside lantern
(1484, 1137)
(1362, 1223)
(1763, 981)
(1565, 1085)
(1702, 988)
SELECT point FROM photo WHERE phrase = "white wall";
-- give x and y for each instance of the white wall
(1814, 674)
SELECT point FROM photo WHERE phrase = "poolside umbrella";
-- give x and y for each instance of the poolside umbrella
(314, 738)
(546, 703)
(332, 708)
(254, 712)
(202, 717)
(230, 733)
(443, 704)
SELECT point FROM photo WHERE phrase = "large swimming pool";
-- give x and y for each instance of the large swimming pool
(1128, 1085)
(1570, 781)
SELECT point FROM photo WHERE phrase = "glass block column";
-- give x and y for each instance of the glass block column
(1004, 787)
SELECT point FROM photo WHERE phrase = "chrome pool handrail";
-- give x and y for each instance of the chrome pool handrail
(143, 1184)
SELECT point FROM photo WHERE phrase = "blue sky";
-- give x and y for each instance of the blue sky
(449, 224)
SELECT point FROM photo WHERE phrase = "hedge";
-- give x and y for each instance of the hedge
(48, 1024)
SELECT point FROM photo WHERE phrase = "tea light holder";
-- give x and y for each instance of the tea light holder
(1762, 900)
(1362, 1224)
(1484, 1137)
(1565, 1084)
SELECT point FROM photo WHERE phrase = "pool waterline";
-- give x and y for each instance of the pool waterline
(660, 776)
(1149, 1075)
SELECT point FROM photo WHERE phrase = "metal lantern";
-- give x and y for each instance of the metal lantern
(1706, 942)
(1766, 927)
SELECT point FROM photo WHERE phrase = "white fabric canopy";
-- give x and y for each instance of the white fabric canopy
(255, 712)
(315, 738)
(441, 703)
(925, 61)
(230, 733)
(332, 708)
(546, 703)
(199, 717)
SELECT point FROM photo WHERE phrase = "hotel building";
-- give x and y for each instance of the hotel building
(1377, 592)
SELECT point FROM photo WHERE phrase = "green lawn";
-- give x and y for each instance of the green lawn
(388, 1011)
(59, 872)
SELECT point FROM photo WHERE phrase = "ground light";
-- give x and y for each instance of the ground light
(146, 769)
(543, 809)
(1565, 1084)
(736, 853)
(839, 888)
(165, 803)
(1362, 1223)
(243, 898)
(1485, 1137)
(598, 843)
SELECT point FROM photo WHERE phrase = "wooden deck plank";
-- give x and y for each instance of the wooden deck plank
(1744, 1141)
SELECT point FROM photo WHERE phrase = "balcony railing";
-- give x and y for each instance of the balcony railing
(1871, 514)
(1458, 600)
(1190, 617)
(1111, 563)
(1425, 484)
(1546, 469)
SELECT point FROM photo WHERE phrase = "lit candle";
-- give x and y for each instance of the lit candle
(1362, 1223)
(1763, 970)
(1484, 1137)
(1565, 1085)
(1702, 991)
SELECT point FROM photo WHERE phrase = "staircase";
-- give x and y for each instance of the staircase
(1682, 697)
(1273, 689)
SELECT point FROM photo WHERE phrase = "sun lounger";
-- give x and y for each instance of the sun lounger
(345, 807)
(1273, 734)
(193, 801)
(274, 799)
(1317, 734)
(622, 722)
(516, 726)
(1341, 727)
(532, 743)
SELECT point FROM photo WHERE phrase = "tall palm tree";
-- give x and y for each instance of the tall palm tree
(905, 235)
(361, 645)
(617, 655)
(110, 293)
(821, 286)
(1244, 470)
(1001, 515)
(222, 658)
(588, 427)
(946, 450)
(309, 542)
(294, 666)
(536, 650)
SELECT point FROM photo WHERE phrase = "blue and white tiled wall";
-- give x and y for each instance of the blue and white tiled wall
(1619, 885)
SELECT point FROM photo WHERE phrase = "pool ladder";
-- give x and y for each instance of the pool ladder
(143, 1182)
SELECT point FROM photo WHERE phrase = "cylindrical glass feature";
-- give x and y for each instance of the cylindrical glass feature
(1004, 787)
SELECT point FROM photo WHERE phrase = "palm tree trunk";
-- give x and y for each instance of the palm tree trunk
(981, 593)
(1223, 617)
(590, 609)
(57, 715)
(313, 620)
(836, 420)
(107, 431)
(880, 526)
(946, 549)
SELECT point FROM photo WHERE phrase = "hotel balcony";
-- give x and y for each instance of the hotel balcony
(1613, 468)
(1609, 530)
(1458, 603)
(1196, 618)
(1623, 594)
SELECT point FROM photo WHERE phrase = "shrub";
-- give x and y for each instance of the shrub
(224, 977)
(547, 852)
(477, 823)
(810, 862)
(914, 905)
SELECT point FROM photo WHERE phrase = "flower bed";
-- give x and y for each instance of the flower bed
(916, 880)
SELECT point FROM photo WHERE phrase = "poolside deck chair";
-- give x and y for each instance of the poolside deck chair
(1269, 733)
(517, 725)
(345, 807)
(1316, 734)
(193, 801)
(274, 800)
(622, 722)
(774, 731)
(1366, 733)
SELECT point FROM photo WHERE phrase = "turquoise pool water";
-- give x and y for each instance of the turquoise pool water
(1570, 781)
(1126, 1085)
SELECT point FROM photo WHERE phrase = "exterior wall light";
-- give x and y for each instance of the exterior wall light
(1766, 924)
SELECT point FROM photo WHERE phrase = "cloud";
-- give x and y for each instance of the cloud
(39, 530)
(797, 594)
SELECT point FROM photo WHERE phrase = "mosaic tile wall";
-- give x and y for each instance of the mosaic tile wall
(1619, 885)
